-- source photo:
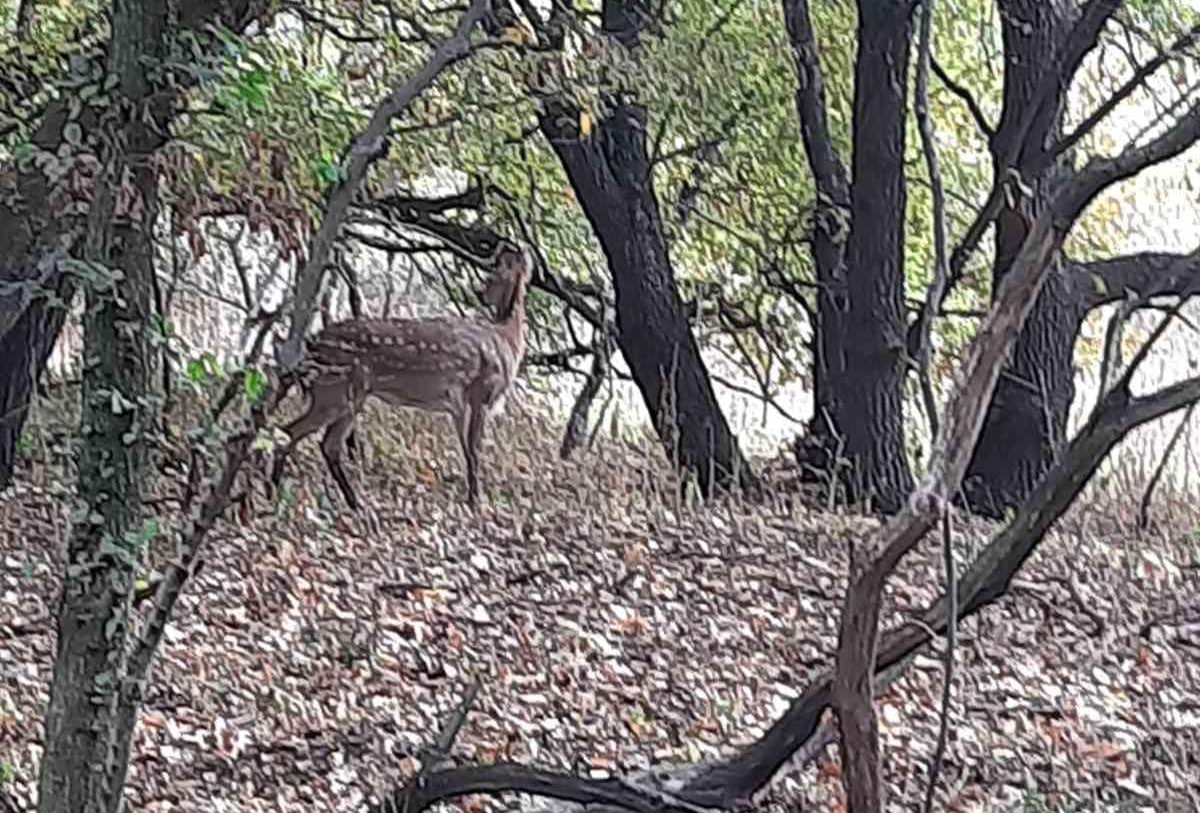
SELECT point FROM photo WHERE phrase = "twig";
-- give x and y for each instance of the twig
(1139, 76)
(577, 424)
(961, 92)
(368, 147)
(939, 752)
(1143, 521)
(933, 296)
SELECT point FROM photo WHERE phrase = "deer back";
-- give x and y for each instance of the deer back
(437, 363)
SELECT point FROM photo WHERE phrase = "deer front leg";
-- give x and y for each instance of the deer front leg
(325, 402)
(471, 443)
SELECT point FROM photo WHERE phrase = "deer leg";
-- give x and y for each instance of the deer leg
(471, 438)
(331, 448)
(324, 404)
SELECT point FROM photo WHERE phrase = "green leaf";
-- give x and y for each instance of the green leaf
(195, 370)
(255, 383)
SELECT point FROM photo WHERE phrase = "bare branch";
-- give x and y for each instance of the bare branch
(1133, 83)
(937, 285)
(367, 148)
(453, 783)
(1106, 281)
(1079, 42)
(963, 93)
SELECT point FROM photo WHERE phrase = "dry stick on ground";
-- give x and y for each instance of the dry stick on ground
(734, 782)
(430, 786)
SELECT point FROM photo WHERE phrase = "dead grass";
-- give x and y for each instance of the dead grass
(613, 625)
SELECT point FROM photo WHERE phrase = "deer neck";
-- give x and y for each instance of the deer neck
(512, 327)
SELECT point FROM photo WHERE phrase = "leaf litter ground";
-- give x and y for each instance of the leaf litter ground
(315, 653)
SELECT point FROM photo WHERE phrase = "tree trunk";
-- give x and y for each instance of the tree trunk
(861, 363)
(24, 349)
(95, 689)
(93, 702)
(39, 229)
(613, 179)
(1026, 423)
(610, 173)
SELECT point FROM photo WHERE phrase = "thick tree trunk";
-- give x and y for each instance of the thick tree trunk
(861, 365)
(610, 173)
(40, 228)
(1026, 423)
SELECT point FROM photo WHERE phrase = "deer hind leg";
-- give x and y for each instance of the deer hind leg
(326, 402)
(331, 448)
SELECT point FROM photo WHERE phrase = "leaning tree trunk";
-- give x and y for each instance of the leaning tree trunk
(610, 173)
(861, 367)
(1026, 423)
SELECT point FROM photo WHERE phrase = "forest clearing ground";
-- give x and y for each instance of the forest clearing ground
(316, 653)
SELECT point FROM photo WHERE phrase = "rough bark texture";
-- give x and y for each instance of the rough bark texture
(611, 174)
(39, 229)
(1026, 423)
(94, 692)
(86, 757)
(859, 370)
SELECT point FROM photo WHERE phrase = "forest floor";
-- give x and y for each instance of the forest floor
(316, 653)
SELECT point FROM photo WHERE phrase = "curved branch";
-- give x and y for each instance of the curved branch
(1079, 42)
(967, 97)
(1153, 273)
(453, 783)
(1123, 92)
(367, 147)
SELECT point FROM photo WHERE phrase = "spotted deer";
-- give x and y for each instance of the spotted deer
(462, 367)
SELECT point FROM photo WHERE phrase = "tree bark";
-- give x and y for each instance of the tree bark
(860, 365)
(869, 391)
(94, 693)
(610, 173)
(612, 177)
(1026, 423)
(89, 718)
(41, 226)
